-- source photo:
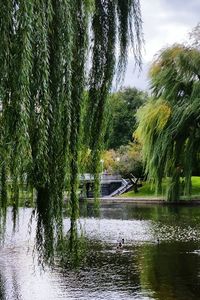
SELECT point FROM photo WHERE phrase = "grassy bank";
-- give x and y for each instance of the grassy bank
(148, 190)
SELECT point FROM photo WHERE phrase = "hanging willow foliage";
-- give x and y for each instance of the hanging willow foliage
(170, 128)
(43, 56)
(112, 19)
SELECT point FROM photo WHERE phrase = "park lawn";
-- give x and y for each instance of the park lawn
(196, 185)
(148, 189)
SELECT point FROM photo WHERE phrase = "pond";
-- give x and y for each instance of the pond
(160, 258)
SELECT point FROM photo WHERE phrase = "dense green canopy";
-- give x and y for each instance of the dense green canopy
(169, 125)
(46, 48)
(122, 121)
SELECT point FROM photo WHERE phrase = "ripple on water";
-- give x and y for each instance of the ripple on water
(175, 232)
(110, 274)
(113, 230)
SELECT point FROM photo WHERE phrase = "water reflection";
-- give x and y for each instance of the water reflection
(71, 250)
(143, 269)
(170, 270)
(106, 274)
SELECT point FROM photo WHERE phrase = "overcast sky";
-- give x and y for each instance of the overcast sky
(164, 22)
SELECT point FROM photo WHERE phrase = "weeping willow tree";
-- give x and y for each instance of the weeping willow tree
(169, 125)
(44, 50)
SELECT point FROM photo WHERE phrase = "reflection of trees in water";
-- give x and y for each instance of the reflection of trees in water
(73, 246)
(128, 211)
(169, 271)
(105, 269)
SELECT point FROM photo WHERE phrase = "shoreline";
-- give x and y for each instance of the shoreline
(140, 200)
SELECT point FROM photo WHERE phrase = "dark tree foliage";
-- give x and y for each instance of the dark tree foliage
(44, 50)
(122, 108)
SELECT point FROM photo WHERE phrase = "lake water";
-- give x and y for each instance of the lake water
(159, 260)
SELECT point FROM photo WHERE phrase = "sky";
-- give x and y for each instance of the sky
(165, 22)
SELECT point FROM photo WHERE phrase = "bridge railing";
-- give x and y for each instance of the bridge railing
(103, 177)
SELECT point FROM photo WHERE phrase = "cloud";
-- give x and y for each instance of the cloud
(165, 22)
(187, 9)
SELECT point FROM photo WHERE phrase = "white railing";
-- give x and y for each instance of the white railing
(103, 177)
(123, 188)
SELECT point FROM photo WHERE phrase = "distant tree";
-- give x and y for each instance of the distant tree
(125, 160)
(123, 106)
(130, 161)
(109, 158)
